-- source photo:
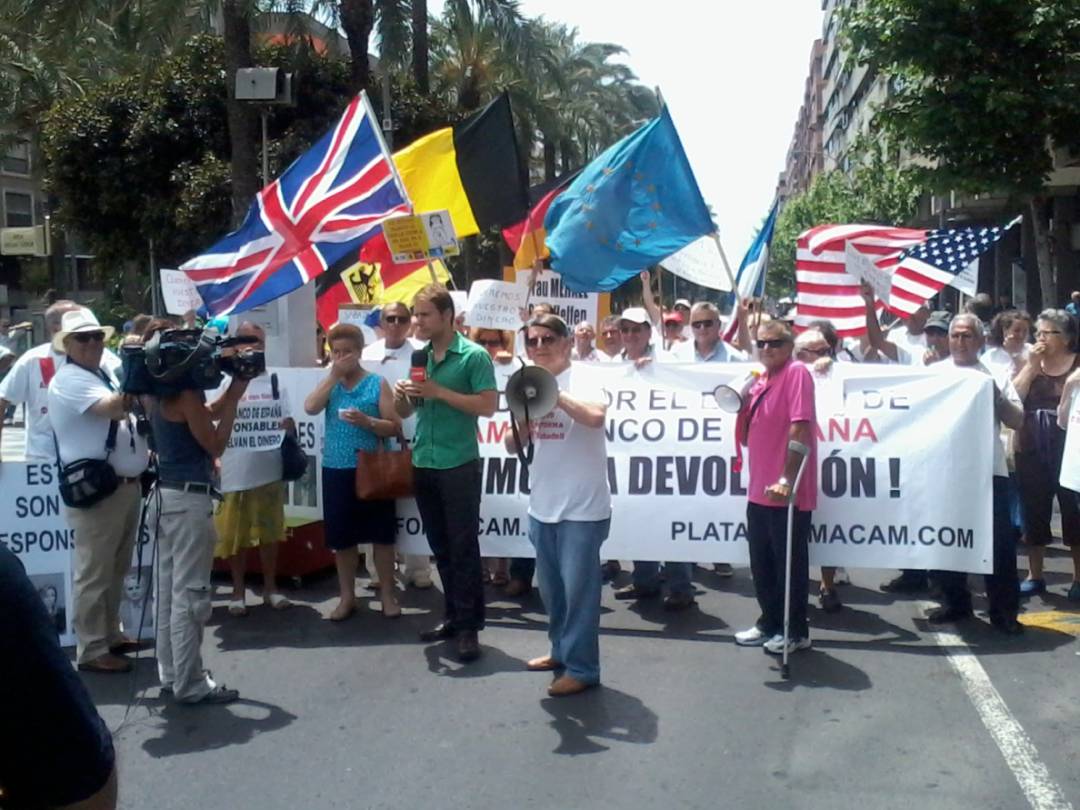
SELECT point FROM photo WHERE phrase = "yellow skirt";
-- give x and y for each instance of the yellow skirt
(250, 518)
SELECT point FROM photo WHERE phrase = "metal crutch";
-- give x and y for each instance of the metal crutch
(803, 451)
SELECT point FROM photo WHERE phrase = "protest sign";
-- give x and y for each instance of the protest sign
(33, 527)
(863, 268)
(883, 503)
(179, 293)
(572, 307)
(423, 236)
(496, 304)
(1070, 461)
(461, 301)
(701, 263)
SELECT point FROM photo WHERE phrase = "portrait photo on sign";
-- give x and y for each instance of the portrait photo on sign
(305, 490)
(53, 592)
(136, 603)
(439, 230)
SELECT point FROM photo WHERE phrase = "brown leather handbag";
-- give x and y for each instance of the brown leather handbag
(383, 474)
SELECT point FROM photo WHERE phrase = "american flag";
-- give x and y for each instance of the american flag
(330, 201)
(925, 269)
(824, 288)
(922, 263)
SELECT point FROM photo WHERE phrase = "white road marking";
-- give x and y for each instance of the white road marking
(1042, 792)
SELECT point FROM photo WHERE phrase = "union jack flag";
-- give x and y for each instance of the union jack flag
(330, 201)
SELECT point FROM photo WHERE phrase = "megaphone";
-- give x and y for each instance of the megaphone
(731, 396)
(531, 393)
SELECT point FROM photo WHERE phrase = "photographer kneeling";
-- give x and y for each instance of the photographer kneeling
(181, 513)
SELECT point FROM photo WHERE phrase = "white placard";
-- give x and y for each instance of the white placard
(178, 292)
(439, 229)
(1070, 461)
(967, 281)
(863, 268)
(572, 307)
(461, 301)
(258, 421)
(496, 304)
(700, 263)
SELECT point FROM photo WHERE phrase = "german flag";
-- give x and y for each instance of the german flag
(473, 169)
(526, 238)
(372, 279)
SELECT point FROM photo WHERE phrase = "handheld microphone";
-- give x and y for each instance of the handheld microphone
(418, 372)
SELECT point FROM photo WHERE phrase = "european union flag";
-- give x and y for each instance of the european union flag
(634, 205)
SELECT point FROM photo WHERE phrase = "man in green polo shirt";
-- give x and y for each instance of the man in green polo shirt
(460, 387)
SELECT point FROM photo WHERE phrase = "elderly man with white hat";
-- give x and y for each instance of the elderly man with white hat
(90, 420)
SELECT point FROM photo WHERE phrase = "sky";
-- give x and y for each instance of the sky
(732, 73)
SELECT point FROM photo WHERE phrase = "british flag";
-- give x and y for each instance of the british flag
(330, 201)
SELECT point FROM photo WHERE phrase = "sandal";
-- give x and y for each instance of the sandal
(237, 608)
(277, 601)
(339, 615)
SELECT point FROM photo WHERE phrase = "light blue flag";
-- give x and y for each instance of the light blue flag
(750, 280)
(636, 204)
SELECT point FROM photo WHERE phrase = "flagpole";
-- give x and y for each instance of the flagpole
(727, 267)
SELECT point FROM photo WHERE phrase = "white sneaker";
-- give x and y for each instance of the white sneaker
(750, 638)
(775, 645)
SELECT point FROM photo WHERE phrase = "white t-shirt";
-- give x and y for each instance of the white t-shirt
(996, 356)
(686, 352)
(569, 469)
(392, 365)
(910, 349)
(28, 381)
(82, 434)
(246, 469)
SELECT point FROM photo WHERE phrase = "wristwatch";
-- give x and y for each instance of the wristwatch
(782, 481)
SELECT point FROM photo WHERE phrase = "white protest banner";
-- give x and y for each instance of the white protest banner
(572, 307)
(889, 497)
(863, 268)
(496, 304)
(179, 293)
(967, 281)
(1070, 461)
(34, 529)
(700, 263)
(461, 301)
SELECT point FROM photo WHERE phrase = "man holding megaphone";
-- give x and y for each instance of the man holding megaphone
(570, 501)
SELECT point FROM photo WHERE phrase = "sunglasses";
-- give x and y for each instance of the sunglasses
(86, 337)
(490, 342)
(543, 340)
(815, 352)
(401, 319)
(703, 324)
(775, 343)
(631, 330)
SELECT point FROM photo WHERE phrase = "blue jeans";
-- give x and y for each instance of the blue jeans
(568, 573)
(646, 576)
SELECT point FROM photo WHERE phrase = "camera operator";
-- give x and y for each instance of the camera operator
(181, 512)
(84, 406)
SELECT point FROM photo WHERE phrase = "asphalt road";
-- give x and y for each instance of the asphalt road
(361, 715)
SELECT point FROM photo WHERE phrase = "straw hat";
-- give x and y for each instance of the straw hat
(75, 321)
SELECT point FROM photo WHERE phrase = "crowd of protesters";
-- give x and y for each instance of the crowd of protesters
(75, 411)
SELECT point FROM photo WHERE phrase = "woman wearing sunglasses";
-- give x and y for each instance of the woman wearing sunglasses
(569, 509)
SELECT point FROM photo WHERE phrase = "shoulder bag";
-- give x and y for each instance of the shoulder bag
(88, 481)
(383, 474)
(294, 461)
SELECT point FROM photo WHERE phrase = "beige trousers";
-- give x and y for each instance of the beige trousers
(104, 541)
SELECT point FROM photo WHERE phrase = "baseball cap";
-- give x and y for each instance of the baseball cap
(939, 319)
(635, 315)
(682, 302)
(673, 317)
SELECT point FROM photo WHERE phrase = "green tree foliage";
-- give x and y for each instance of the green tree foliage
(135, 161)
(980, 89)
(876, 192)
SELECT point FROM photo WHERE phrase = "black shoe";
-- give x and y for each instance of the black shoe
(634, 592)
(830, 601)
(678, 601)
(905, 584)
(947, 615)
(218, 695)
(439, 632)
(610, 570)
(468, 646)
(1007, 626)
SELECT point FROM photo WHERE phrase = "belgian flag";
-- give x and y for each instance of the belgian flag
(473, 169)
